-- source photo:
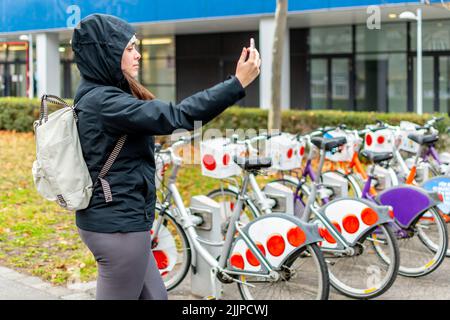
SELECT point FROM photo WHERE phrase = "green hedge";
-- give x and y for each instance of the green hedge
(19, 113)
(302, 121)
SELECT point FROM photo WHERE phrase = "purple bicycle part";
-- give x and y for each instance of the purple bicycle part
(405, 215)
(307, 172)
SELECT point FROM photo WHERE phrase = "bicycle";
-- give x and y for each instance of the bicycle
(281, 258)
(341, 247)
(417, 223)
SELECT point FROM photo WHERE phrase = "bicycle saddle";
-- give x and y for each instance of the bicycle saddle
(253, 163)
(423, 138)
(328, 144)
(377, 157)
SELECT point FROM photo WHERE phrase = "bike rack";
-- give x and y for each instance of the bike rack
(210, 236)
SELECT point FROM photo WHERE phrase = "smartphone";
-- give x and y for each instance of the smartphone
(252, 46)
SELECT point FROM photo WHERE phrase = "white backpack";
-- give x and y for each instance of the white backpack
(60, 172)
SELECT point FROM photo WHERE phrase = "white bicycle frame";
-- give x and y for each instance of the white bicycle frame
(265, 205)
(189, 222)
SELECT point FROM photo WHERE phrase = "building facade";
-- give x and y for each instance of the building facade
(341, 54)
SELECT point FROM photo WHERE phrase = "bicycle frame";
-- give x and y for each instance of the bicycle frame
(404, 216)
(342, 245)
(188, 222)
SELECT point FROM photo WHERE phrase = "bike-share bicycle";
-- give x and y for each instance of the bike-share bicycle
(273, 257)
(421, 169)
(351, 228)
(420, 230)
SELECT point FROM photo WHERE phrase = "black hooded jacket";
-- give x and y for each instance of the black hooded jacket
(107, 110)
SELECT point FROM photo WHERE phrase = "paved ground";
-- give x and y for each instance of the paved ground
(16, 286)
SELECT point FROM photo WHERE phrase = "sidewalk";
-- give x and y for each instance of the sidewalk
(17, 286)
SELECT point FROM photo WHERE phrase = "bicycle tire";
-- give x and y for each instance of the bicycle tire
(174, 280)
(323, 278)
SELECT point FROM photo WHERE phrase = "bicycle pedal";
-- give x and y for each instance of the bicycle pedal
(210, 298)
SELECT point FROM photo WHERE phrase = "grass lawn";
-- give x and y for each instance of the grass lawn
(39, 238)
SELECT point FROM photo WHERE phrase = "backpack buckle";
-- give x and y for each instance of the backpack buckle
(60, 200)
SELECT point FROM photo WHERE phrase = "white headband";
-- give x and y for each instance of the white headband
(133, 39)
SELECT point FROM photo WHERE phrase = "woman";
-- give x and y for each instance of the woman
(111, 103)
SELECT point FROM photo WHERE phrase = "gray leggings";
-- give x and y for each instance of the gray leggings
(126, 267)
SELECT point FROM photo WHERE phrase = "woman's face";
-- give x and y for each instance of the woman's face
(130, 59)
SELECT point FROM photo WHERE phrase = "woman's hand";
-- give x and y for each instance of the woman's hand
(248, 71)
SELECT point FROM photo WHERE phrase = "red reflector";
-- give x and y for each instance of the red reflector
(237, 261)
(289, 153)
(226, 159)
(162, 260)
(441, 197)
(350, 223)
(302, 151)
(391, 214)
(276, 245)
(296, 236)
(337, 226)
(209, 162)
(369, 216)
(369, 140)
(380, 139)
(326, 235)
(251, 257)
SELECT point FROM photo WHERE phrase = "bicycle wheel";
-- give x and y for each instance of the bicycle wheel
(364, 275)
(171, 249)
(304, 276)
(227, 198)
(423, 246)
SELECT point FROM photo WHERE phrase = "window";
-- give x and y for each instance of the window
(435, 35)
(391, 37)
(158, 67)
(331, 40)
(381, 82)
(70, 75)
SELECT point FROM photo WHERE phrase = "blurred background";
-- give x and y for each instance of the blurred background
(340, 54)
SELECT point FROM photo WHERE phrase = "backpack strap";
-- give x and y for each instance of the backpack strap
(55, 100)
(112, 157)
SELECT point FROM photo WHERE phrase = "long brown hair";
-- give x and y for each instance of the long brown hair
(137, 89)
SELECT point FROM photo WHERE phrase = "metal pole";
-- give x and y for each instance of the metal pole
(419, 63)
(31, 67)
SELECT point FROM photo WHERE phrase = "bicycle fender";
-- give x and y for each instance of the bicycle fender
(352, 218)
(441, 185)
(233, 188)
(292, 179)
(277, 236)
(407, 202)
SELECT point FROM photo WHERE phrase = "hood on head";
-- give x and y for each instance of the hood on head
(98, 44)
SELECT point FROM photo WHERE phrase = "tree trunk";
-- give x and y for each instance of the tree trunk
(277, 62)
